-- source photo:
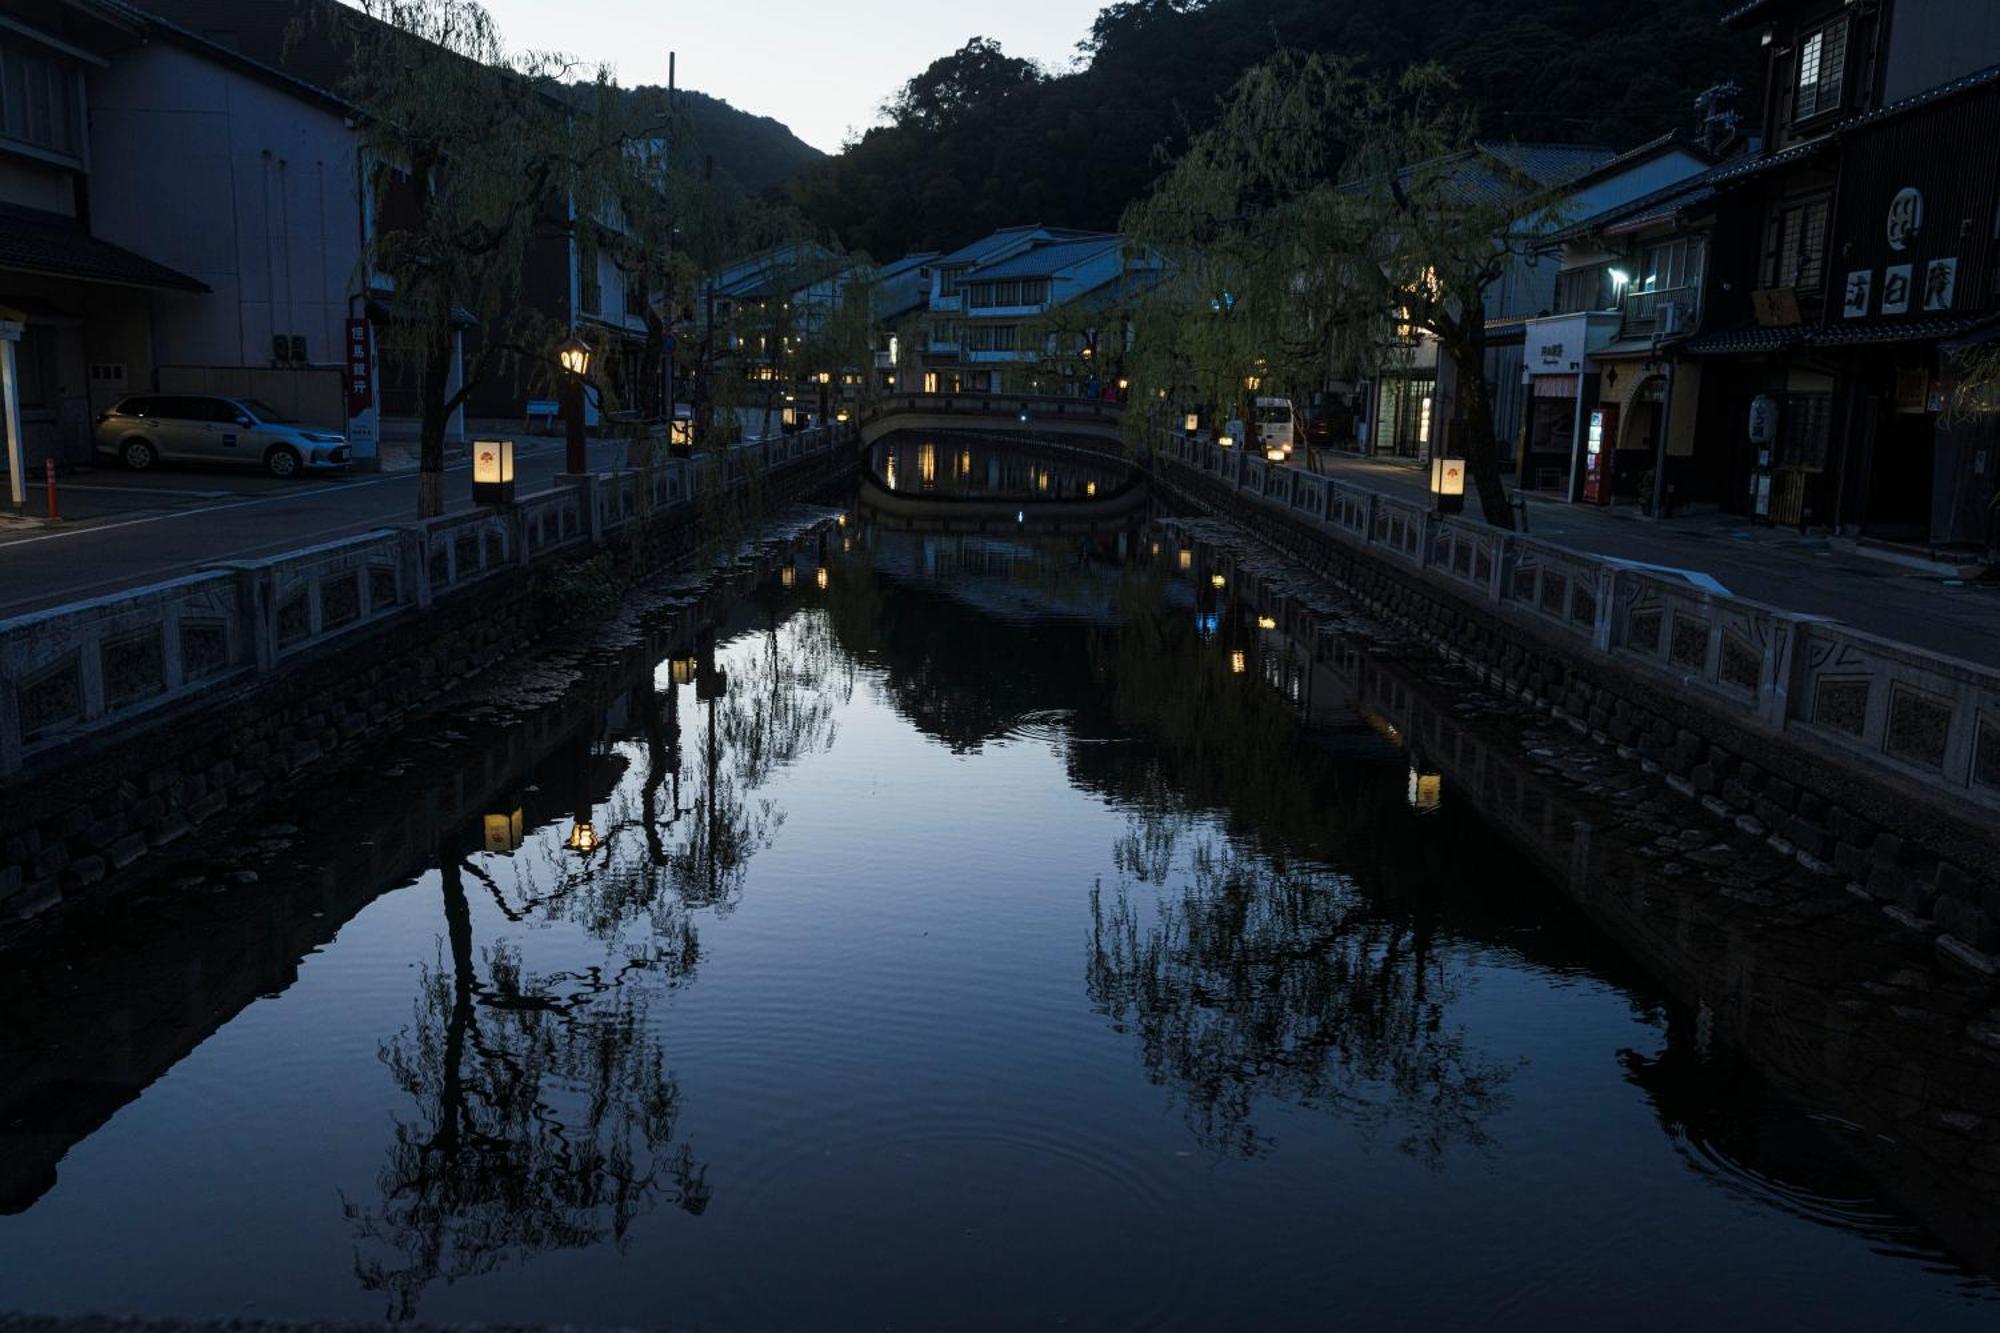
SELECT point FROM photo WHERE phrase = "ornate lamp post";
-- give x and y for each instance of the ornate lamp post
(574, 356)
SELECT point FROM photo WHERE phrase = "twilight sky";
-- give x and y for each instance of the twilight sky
(820, 66)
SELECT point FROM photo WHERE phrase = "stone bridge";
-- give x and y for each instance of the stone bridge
(1031, 414)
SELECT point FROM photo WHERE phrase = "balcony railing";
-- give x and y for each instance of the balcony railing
(1647, 313)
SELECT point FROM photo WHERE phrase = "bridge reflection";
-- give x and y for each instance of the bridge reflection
(971, 482)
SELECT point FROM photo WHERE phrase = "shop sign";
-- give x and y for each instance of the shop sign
(1940, 283)
(360, 369)
(1896, 289)
(1860, 288)
(1906, 218)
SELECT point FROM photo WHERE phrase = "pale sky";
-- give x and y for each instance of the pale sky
(820, 66)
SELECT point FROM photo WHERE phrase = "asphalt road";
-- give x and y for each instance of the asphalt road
(121, 529)
(1776, 566)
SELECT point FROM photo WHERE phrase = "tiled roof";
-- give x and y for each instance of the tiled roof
(1493, 174)
(901, 287)
(1977, 79)
(1551, 164)
(1743, 338)
(1692, 190)
(47, 243)
(985, 247)
(1045, 260)
(1898, 330)
(1745, 12)
(898, 268)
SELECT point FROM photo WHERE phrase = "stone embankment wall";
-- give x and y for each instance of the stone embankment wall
(1813, 737)
(249, 674)
(1854, 1024)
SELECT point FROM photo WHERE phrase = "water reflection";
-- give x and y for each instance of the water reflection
(1257, 980)
(976, 467)
(545, 1114)
(1785, 991)
(1169, 943)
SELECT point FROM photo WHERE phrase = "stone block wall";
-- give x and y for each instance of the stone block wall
(1932, 867)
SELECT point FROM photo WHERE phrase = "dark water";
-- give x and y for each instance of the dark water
(1004, 933)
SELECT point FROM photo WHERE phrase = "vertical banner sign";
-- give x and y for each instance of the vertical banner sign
(360, 369)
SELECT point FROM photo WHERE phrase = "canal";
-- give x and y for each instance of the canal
(955, 922)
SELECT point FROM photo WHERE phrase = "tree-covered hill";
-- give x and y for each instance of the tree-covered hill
(981, 139)
(756, 152)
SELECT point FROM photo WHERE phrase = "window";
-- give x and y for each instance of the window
(1805, 427)
(1797, 253)
(1822, 65)
(1672, 265)
(993, 337)
(1587, 288)
(987, 295)
(38, 99)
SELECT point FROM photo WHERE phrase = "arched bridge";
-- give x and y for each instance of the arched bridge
(1033, 414)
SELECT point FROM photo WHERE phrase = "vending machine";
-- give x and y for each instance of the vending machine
(1597, 450)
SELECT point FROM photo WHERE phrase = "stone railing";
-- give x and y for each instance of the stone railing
(79, 669)
(1000, 405)
(1830, 688)
(994, 411)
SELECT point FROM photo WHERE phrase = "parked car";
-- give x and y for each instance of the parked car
(147, 428)
(1275, 427)
(1323, 418)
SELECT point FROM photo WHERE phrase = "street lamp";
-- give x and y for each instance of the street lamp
(1447, 484)
(574, 357)
(493, 472)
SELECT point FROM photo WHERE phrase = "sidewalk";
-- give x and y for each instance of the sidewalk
(1776, 566)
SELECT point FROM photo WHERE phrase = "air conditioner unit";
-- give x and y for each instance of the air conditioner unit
(1673, 318)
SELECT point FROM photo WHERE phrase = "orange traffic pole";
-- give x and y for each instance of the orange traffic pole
(49, 472)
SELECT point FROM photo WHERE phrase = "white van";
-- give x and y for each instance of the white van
(1276, 427)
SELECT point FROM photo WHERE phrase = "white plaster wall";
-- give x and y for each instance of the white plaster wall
(233, 181)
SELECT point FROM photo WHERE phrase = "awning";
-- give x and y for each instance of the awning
(53, 246)
(1558, 386)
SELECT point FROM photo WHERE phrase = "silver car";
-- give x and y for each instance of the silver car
(147, 428)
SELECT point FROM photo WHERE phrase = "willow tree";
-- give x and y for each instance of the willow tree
(475, 153)
(1322, 222)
